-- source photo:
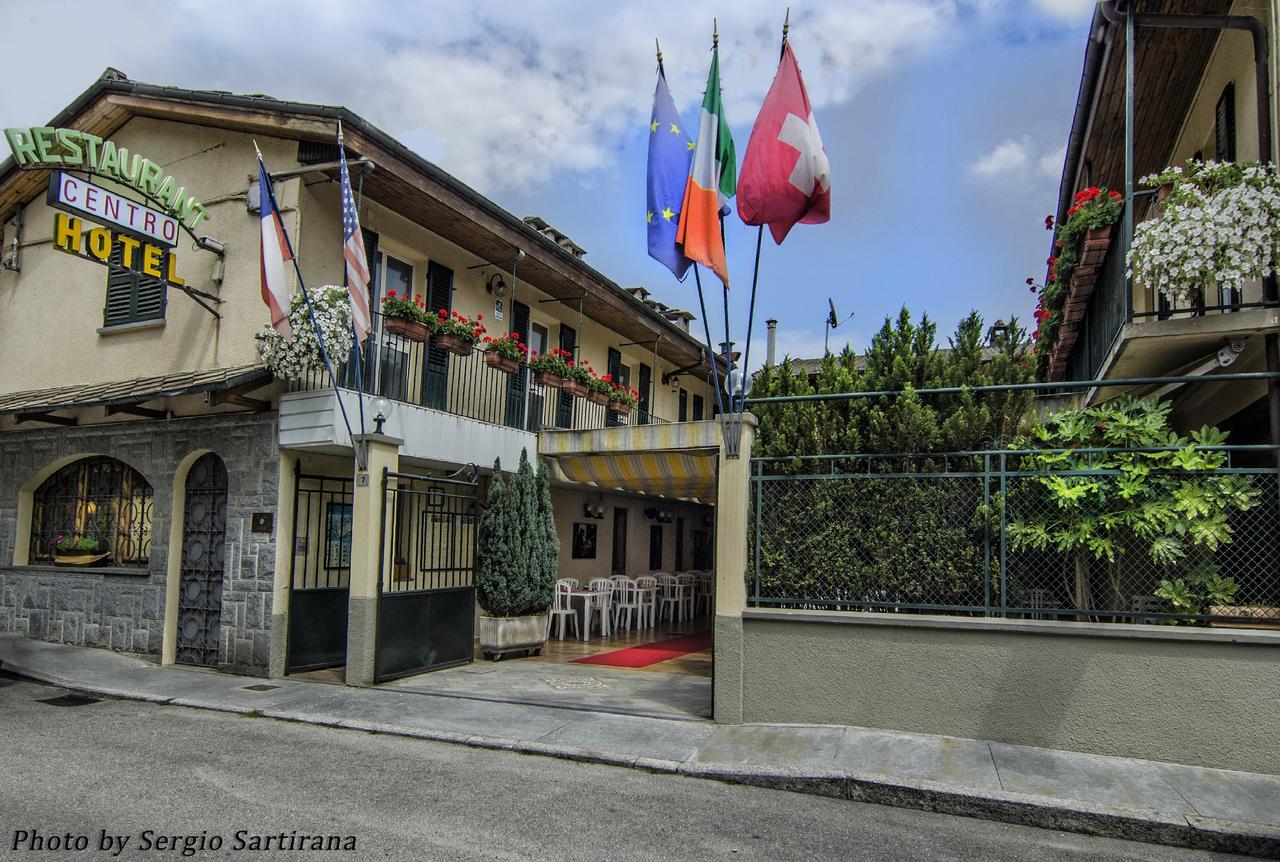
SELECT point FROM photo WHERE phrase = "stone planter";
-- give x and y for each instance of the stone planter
(455, 344)
(72, 560)
(619, 407)
(500, 636)
(597, 397)
(546, 378)
(574, 388)
(494, 359)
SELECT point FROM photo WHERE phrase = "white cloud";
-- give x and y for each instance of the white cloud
(503, 99)
(1019, 159)
(1067, 10)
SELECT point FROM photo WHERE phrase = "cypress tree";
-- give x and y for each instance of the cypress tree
(517, 548)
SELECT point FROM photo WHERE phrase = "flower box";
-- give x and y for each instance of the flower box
(596, 397)
(506, 365)
(574, 388)
(410, 329)
(455, 344)
(546, 378)
(73, 559)
(619, 407)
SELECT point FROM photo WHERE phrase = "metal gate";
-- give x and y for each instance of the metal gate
(204, 528)
(426, 590)
(319, 572)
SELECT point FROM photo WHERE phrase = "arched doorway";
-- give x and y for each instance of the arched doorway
(204, 528)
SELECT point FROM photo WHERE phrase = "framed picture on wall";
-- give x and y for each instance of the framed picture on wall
(584, 541)
(337, 536)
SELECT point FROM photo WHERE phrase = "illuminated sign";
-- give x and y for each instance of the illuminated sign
(42, 147)
(99, 244)
(80, 197)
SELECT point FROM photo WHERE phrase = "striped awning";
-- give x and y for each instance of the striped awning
(677, 474)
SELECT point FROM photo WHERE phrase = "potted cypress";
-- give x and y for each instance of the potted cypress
(516, 561)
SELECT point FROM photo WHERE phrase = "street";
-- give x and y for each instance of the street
(155, 777)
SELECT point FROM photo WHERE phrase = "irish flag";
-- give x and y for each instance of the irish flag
(713, 179)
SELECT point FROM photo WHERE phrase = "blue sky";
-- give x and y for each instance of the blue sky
(944, 121)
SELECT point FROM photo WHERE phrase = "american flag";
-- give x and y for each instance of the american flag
(353, 251)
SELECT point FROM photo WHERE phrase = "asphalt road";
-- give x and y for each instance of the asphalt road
(128, 768)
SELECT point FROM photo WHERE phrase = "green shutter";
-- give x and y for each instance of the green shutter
(131, 296)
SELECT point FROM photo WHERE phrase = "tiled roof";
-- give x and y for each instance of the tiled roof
(131, 391)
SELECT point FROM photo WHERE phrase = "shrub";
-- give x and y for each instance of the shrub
(517, 547)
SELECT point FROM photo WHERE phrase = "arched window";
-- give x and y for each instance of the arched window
(104, 503)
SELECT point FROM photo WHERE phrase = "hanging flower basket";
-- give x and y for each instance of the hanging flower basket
(547, 378)
(455, 344)
(413, 330)
(505, 364)
(298, 357)
(78, 551)
(574, 388)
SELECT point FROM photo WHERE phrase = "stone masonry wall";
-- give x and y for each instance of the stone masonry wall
(125, 612)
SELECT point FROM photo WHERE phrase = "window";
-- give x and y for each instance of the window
(679, 544)
(1224, 125)
(655, 547)
(646, 385)
(396, 275)
(697, 408)
(684, 405)
(95, 498)
(133, 297)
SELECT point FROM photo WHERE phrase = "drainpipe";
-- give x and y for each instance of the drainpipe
(1262, 77)
(771, 353)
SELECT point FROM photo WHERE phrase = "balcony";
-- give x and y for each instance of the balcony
(442, 396)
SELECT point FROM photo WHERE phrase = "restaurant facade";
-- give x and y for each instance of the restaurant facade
(163, 494)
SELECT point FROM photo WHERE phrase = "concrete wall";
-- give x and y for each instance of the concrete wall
(126, 612)
(60, 297)
(1201, 696)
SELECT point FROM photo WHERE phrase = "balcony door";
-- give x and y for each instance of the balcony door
(435, 371)
(564, 401)
(518, 383)
(393, 359)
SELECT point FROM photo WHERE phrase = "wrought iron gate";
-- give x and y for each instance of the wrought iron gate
(204, 528)
(426, 591)
(319, 572)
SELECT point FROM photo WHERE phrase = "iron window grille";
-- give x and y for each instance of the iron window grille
(99, 498)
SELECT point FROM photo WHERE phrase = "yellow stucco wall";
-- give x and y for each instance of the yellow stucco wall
(51, 311)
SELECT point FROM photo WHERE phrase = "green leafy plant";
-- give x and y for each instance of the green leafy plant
(507, 346)
(405, 307)
(554, 361)
(517, 548)
(625, 395)
(1092, 507)
(458, 325)
(1198, 591)
(77, 544)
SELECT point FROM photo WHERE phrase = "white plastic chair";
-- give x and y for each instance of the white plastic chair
(668, 597)
(562, 607)
(627, 605)
(702, 593)
(685, 586)
(647, 592)
(600, 604)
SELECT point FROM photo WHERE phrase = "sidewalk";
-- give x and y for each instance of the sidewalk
(1112, 796)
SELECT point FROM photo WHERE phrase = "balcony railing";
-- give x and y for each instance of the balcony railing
(416, 373)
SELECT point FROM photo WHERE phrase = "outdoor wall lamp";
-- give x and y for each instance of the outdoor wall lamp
(590, 511)
(382, 409)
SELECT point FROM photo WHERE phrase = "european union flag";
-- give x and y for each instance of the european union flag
(670, 151)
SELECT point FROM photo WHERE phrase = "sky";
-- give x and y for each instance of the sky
(944, 121)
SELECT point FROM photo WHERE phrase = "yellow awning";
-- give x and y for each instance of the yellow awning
(678, 474)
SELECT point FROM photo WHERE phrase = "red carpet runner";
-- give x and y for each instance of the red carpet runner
(647, 654)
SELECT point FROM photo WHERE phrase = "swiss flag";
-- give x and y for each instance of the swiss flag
(785, 175)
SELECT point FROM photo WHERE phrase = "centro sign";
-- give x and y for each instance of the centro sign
(80, 197)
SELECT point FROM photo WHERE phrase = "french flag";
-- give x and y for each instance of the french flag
(275, 253)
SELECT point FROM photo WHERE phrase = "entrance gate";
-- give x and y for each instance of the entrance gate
(426, 589)
(204, 555)
(319, 572)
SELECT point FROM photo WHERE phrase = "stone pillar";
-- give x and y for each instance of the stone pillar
(733, 504)
(280, 609)
(366, 544)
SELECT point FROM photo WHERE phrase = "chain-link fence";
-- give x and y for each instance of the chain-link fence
(1090, 535)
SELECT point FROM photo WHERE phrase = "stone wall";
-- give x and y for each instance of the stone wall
(125, 612)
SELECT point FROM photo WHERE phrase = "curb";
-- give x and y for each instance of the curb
(1153, 827)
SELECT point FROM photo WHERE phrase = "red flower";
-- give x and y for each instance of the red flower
(390, 293)
(1048, 222)
(1030, 280)
(1115, 196)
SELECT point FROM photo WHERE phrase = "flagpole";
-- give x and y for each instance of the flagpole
(728, 356)
(755, 273)
(311, 312)
(711, 348)
(355, 337)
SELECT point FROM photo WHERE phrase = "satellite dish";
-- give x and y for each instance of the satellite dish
(832, 318)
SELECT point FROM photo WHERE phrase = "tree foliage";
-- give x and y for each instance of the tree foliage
(517, 547)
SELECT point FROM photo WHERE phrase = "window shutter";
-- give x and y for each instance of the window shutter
(439, 288)
(684, 405)
(120, 284)
(646, 383)
(1224, 130)
(697, 408)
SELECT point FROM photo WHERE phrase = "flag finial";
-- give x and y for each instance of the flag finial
(715, 34)
(658, 48)
(339, 130)
(786, 24)
(255, 148)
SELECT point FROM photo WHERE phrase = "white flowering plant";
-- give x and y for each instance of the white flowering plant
(1218, 228)
(295, 358)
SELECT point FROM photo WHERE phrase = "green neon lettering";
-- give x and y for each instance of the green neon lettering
(69, 140)
(91, 146)
(165, 194)
(107, 165)
(24, 149)
(44, 145)
(127, 170)
(149, 177)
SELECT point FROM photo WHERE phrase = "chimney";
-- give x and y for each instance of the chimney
(771, 353)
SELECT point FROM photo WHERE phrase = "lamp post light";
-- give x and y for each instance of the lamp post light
(382, 410)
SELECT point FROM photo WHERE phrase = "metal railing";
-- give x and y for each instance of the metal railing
(417, 373)
(939, 533)
(1105, 316)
